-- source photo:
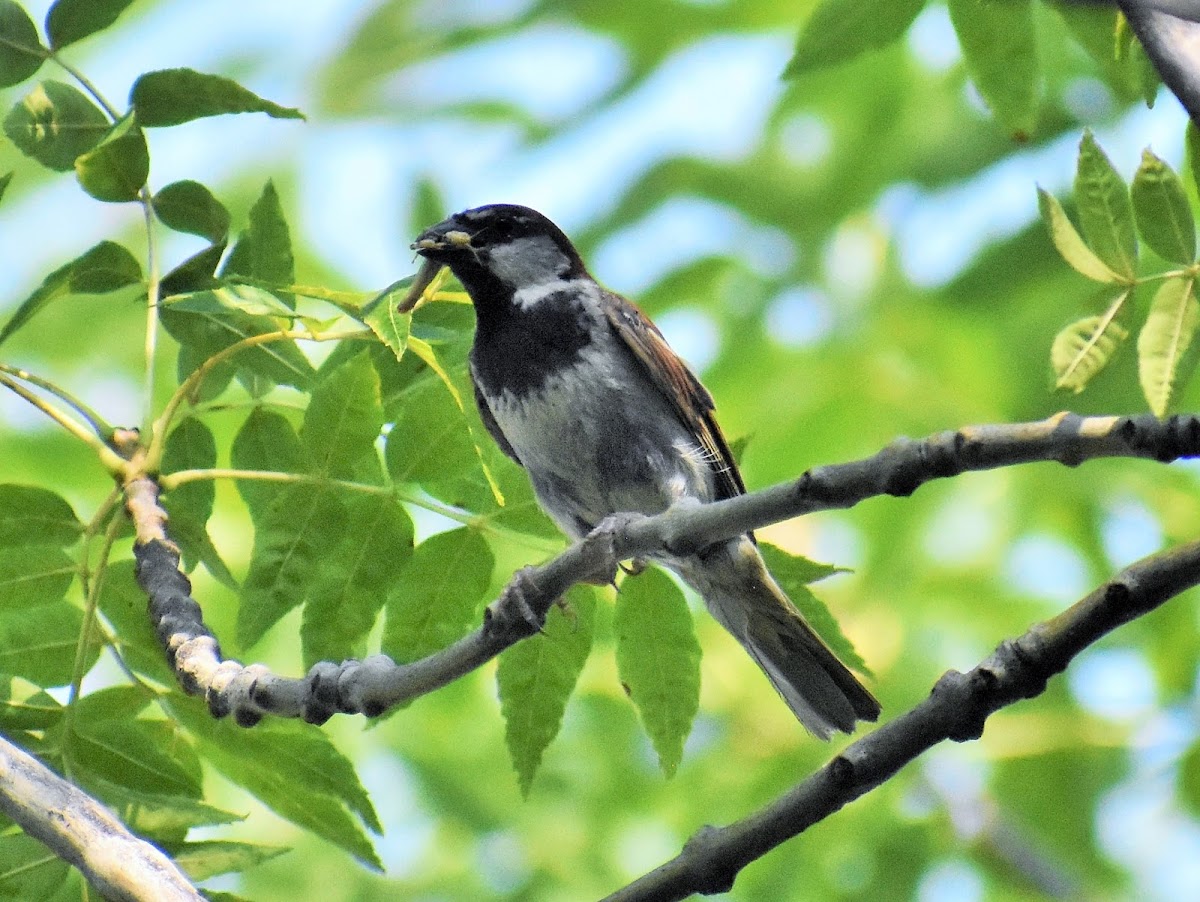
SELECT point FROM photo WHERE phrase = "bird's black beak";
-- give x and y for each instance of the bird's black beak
(439, 241)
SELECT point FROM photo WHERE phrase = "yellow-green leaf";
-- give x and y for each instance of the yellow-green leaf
(536, 677)
(1105, 211)
(1163, 215)
(1085, 347)
(999, 47)
(1166, 354)
(658, 659)
(1068, 242)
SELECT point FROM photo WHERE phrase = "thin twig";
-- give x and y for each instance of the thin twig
(109, 458)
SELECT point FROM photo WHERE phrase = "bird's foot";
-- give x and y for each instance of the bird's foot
(515, 608)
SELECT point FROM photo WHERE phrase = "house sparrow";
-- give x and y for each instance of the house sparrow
(578, 387)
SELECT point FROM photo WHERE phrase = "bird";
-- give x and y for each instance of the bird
(581, 389)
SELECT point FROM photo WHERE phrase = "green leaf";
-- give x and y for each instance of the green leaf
(38, 642)
(793, 573)
(189, 207)
(1068, 242)
(381, 317)
(174, 96)
(1000, 50)
(21, 53)
(1085, 347)
(30, 515)
(343, 418)
(658, 659)
(191, 446)
(1189, 780)
(355, 579)
(5, 181)
(33, 575)
(437, 596)
(54, 124)
(201, 860)
(207, 333)
(795, 569)
(429, 442)
(536, 677)
(102, 268)
(225, 299)
(1163, 215)
(1192, 139)
(136, 753)
(24, 706)
(157, 814)
(291, 768)
(266, 441)
(73, 20)
(840, 30)
(123, 604)
(195, 273)
(1166, 353)
(301, 526)
(1105, 210)
(28, 870)
(117, 168)
(264, 250)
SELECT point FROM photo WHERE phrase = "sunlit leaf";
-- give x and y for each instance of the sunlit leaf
(1105, 210)
(1166, 351)
(54, 124)
(425, 351)
(175, 96)
(25, 706)
(1164, 217)
(436, 598)
(1086, 346)
(658, 659)
(793, 573)
(536, 677)
(201, 860)
(1069, 244)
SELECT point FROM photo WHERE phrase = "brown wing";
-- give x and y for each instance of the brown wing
(690, 399)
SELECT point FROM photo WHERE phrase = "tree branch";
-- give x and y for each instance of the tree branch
(373, 686)
(957, 709)
(83, 832)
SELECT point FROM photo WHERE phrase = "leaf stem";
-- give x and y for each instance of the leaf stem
(111, 461)
(98, 423)
(192, 383)
(87, 85)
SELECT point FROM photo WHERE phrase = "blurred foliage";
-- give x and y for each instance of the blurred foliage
(829, 345)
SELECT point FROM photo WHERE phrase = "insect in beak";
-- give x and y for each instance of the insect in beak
(423, 279)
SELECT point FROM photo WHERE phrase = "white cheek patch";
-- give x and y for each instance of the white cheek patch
(528, 261)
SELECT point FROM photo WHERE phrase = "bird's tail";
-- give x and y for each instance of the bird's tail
(740, 593)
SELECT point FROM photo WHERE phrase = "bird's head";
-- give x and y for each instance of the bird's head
(497, 250)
